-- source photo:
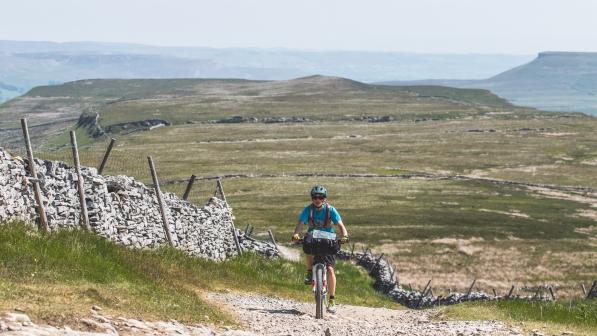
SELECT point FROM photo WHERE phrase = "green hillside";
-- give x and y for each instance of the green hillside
(181, 101)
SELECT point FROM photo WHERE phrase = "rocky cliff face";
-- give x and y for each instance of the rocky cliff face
(120, 209)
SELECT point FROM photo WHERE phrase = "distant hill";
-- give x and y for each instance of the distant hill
(124, 105)
(29, 64)
(554, 81)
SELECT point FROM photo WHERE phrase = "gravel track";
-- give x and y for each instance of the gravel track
(271, 316)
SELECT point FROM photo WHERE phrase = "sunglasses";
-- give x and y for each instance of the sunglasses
(319, 197)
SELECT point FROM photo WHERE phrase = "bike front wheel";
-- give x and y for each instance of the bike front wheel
(319, 296)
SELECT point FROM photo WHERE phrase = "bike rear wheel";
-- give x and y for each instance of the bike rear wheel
(319, 296)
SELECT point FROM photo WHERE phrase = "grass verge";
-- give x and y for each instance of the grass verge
(553, 318)
(58, 276)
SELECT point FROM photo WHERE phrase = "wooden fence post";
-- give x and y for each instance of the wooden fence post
(420, 300)
(584, 289)
(470, 289)
(158, 193)
(426, 287)
(351, 250)
(187, 191)
(220, 189)
(553, 296)
(271, 236)
(494, 292)
(41, 212)
(239, 249)
(376, 263)
(248, 230)
(84, 218)
(593, 288)
(106, 155)
(510, 292)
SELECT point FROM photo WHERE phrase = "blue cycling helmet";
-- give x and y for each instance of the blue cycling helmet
(319, 190)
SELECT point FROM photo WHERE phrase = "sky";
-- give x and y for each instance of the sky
(423, 26)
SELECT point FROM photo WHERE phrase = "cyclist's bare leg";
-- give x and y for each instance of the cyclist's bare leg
(309, 261)
(331, 281)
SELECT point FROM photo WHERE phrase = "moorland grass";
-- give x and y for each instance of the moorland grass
(548, 152)
(577, 316)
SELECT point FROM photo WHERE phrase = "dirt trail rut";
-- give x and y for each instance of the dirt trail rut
(271, 316)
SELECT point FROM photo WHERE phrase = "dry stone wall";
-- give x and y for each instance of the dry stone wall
(120, 209)
(383, 274)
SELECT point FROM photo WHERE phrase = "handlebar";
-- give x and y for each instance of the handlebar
(300, 241)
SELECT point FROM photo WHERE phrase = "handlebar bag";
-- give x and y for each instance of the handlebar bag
(320, 243)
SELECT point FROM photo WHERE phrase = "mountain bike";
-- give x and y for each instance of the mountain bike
(319, 282)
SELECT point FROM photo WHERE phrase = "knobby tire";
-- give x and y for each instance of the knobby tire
(319, 293)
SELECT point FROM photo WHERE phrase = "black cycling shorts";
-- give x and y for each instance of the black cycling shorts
(328, 260)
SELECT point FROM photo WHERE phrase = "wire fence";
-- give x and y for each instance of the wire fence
(121, 161)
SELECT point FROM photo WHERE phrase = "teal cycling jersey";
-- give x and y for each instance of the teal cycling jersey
(318, 219)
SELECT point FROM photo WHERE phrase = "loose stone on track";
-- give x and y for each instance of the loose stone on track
(272, 316)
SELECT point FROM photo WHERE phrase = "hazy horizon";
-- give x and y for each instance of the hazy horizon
(285, 48)
(427, 26)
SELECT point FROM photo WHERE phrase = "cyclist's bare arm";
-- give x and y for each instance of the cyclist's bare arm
(342, 229)
(299, 228)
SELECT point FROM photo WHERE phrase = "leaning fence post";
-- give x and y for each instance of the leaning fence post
(593, 287)
(584, 289)
(84, 218)
(158, 193)
(470, 289)
(106, 155)
(510, 292)
(271, 236)
(351, 250)
(376, 263)
(239, 249)
(187, 191)
(426, 287)
(220, 189)
(393, 268)
(553, 296)
(41, 212)
(390, 270)
(420, 300)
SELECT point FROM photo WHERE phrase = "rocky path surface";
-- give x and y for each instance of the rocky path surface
(13, 324)
(260, 315)
(271, 316)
